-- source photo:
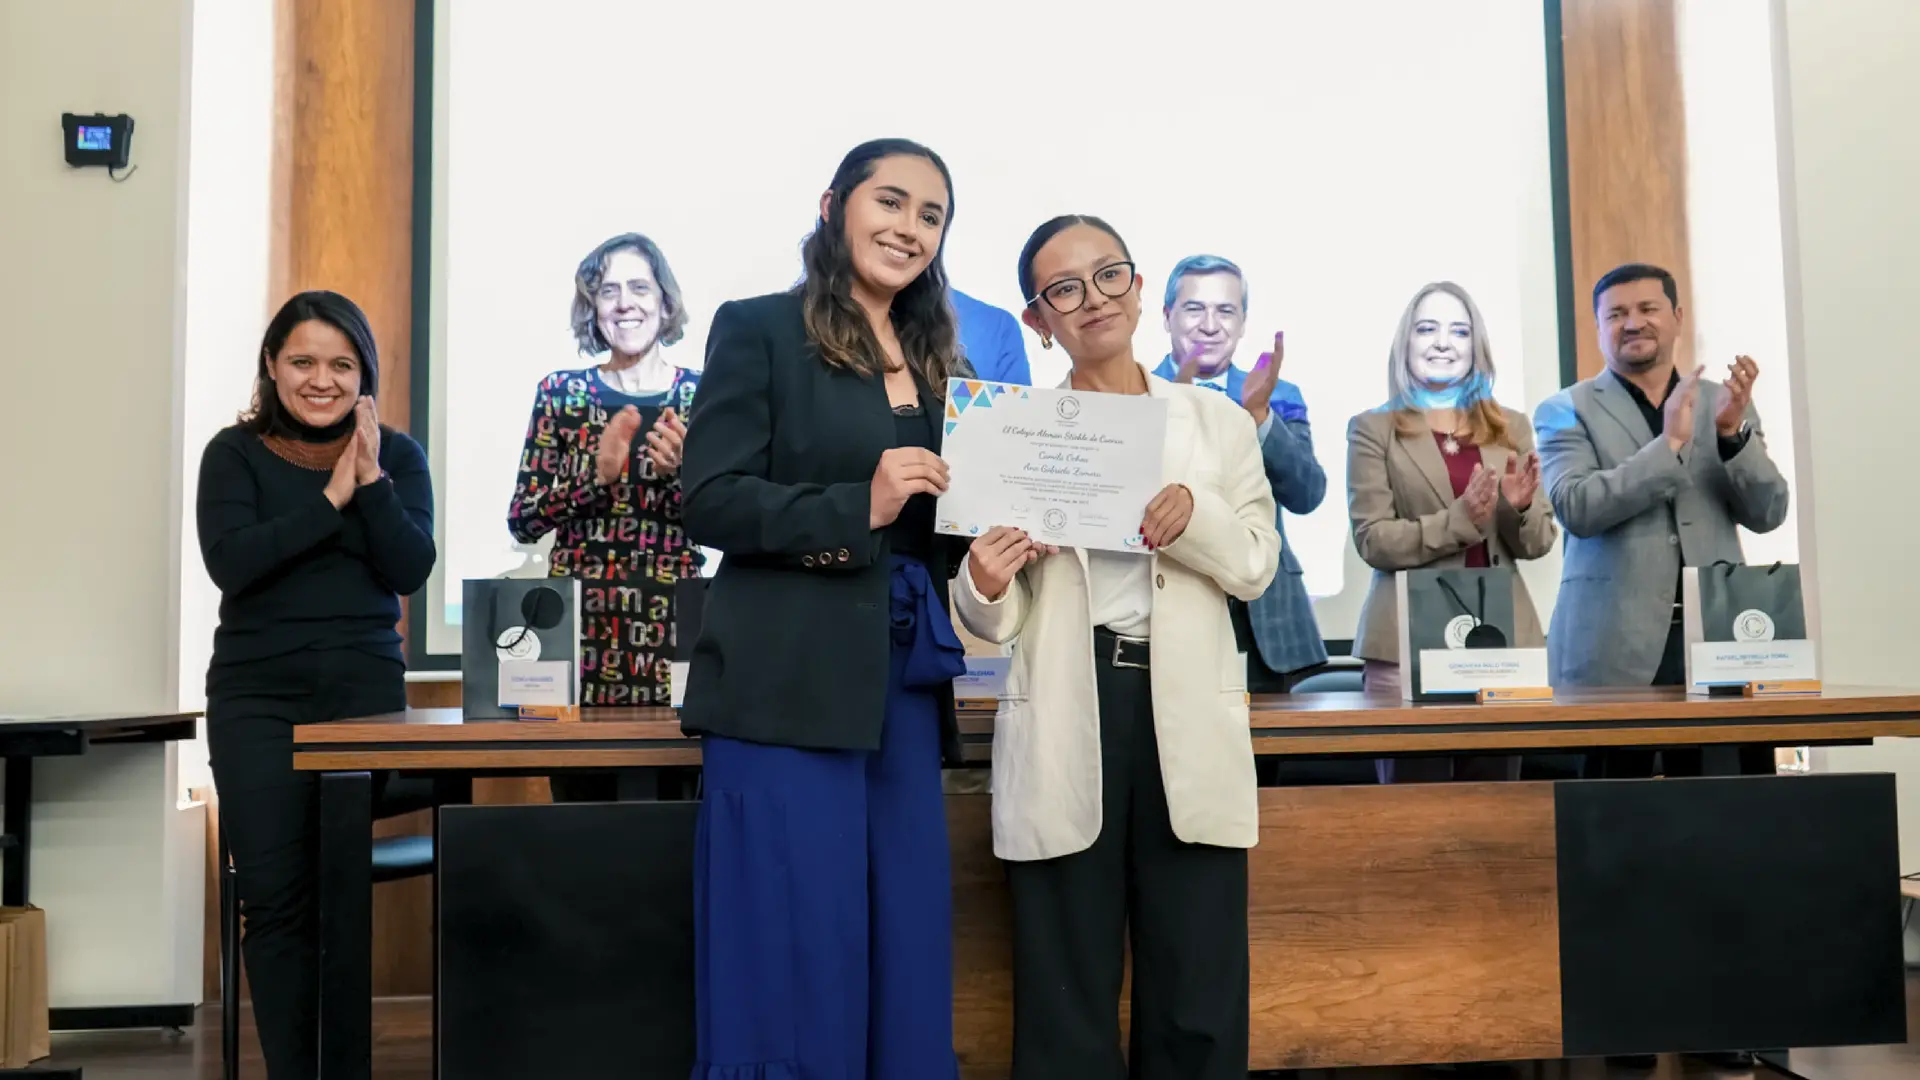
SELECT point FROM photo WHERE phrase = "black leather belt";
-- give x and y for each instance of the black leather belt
(1118, 651)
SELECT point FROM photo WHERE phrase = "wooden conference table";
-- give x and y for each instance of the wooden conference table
(1390, 924)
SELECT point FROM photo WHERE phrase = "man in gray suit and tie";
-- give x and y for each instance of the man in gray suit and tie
(1648, 472)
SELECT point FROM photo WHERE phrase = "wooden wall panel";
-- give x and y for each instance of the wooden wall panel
(1626, 150)
(348, 194)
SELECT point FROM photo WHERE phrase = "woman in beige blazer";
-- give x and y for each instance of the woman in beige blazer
(1440, 476)
(1123, 785)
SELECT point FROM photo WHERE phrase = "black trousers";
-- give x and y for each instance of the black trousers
(1181, 907)
(271, 817)
(1633, 763)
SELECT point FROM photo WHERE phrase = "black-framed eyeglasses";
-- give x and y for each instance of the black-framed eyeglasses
(1070, 295)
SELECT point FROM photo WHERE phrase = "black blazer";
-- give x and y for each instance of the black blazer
(794, 643)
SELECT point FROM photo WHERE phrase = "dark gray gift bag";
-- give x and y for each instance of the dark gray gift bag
(1733, 602)
(1458, 608)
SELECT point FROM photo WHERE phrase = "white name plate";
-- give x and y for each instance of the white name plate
(1469, 671)
(985, 680)
(536, 682)
(1737, 663)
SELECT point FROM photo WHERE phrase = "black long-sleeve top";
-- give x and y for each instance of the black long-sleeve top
(294, 573)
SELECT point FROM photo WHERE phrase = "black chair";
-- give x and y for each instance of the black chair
(1334, 680)
(394, 858)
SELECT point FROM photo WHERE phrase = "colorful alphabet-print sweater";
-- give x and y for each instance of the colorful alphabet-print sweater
(622, 540)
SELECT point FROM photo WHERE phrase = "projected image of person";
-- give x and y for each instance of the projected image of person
(991, 341)
(1441, 475)
(1124, 795)
(1205, 309)
(314, 520)
(822, 680)
(600, 471)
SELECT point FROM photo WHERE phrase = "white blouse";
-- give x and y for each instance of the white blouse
(1122, 588)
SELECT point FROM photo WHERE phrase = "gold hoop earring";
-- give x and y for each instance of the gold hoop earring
(1046, 340)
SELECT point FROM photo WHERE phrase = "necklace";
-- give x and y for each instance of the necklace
(1451, 445)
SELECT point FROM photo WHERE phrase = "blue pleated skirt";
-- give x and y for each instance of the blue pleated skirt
(823, 902)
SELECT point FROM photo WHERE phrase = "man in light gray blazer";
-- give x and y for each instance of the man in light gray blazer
(1647, 472)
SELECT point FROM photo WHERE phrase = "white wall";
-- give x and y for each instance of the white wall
(1850, 167)
(91, 296)
(1734, 229)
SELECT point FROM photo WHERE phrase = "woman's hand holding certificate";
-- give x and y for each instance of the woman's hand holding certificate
(1068, 468)
(903, 472)
(1167, 516)
(995, 558)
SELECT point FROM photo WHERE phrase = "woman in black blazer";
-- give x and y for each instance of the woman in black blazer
(822, 679)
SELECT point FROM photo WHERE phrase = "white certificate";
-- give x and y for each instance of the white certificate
(1071, 468)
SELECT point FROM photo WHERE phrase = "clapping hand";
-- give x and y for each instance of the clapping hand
(1521, 480)
(1733, 406)
(1190, 367)
(1677, 411)
(1257, 394)
(1483, 492)
(365, 448)
(993, 559)
(666, 442)
(346, 474)
(616, 446)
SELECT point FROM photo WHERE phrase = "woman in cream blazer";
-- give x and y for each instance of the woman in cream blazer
(1441, 476)
(1123, 785)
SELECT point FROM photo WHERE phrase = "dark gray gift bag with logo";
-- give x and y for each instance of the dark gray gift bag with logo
(1749, 605)
(1459, 608)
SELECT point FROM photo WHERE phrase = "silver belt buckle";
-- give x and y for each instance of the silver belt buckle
(1119, 644)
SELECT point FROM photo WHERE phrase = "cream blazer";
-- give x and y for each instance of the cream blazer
(1046, 738)
(1404, 514)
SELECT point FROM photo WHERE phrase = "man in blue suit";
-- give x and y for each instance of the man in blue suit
(990, 339)
(1206, 315)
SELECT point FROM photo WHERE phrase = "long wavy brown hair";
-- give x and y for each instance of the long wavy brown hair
(922, 316)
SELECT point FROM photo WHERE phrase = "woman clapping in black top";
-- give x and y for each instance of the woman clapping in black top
(314, 521)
